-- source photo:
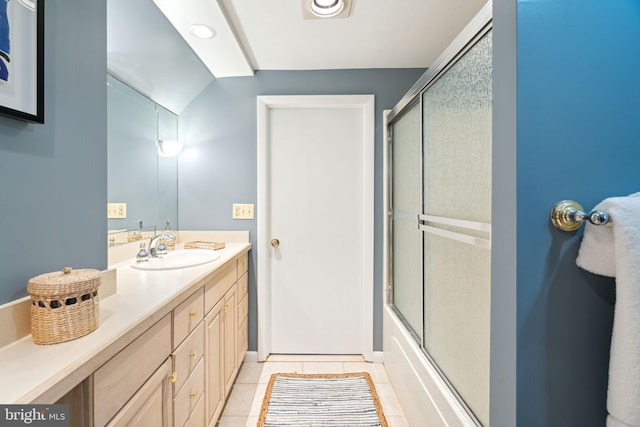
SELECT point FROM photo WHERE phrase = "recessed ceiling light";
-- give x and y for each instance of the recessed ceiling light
(202, 31)
(326, 8)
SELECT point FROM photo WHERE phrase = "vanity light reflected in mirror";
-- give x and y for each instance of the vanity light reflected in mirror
(169, 147)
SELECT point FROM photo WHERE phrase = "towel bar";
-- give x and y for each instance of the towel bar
(568, 215)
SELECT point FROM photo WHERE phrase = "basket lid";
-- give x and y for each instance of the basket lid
(65, 281)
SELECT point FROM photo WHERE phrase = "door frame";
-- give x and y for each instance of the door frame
(264, 104)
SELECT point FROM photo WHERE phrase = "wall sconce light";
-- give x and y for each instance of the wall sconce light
(169, 147)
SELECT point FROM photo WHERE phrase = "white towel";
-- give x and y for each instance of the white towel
(614, 250)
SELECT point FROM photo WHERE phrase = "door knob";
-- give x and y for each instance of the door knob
(275, 243)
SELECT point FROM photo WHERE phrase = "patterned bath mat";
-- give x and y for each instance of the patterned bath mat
(321, 400)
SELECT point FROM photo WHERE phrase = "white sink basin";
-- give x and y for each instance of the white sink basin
(180, 258)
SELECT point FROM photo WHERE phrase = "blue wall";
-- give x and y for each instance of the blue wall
(53, 177)
(578, 122)
(218, 164)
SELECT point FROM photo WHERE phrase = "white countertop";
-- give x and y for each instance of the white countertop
(33, 373)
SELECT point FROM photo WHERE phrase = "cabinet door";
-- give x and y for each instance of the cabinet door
(214, 345)
(118, 380)
(151, 405)
(79, 401)
(230, 331)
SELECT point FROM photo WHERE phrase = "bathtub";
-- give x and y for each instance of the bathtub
(425, 397)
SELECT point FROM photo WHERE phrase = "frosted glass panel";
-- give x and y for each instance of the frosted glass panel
(457, 131)
(441, 265)
(457, 315)
(457, 185)
(407, 204)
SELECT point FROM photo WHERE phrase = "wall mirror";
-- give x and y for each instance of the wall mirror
(138, 178)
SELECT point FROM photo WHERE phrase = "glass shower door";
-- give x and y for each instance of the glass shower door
(440, 223)
(406, 196)
(456, 222)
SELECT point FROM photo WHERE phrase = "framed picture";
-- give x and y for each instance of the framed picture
(22, 59)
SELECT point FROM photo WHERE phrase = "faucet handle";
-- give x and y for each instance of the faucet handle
(143, 255)
(162, 248)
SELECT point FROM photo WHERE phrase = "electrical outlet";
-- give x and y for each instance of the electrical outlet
(242, 211)
(116, 210)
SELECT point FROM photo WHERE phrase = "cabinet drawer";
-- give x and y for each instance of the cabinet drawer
(189, 395)
(196, 419)
(187, 316)
(187, 356)
(243, 264)
(243, 310)
(219, 284)
(243, 285)
(118, 379)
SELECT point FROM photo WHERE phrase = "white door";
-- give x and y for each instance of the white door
(315, 213)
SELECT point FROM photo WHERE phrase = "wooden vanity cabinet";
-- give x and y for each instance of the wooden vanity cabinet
(180, 371)
(224, 351)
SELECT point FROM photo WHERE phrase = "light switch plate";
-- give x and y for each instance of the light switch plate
(242, 211)
(116, 210)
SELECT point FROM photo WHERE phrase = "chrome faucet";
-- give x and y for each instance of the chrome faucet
(156, 246)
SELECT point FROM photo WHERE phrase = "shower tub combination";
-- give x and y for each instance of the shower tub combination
(438, 236)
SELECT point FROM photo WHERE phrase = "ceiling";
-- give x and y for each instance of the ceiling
(377, 34)
(273, 35)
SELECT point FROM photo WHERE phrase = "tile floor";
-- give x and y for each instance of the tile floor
(244, 403)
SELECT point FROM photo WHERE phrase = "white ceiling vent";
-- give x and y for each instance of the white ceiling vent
(335, 9)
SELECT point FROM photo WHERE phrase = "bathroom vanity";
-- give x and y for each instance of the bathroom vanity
(166, 353)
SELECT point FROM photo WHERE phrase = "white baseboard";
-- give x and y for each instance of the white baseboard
(251, 356)
(378, 357)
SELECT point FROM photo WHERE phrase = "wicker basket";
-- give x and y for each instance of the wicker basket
(64, 305)
(204, 245)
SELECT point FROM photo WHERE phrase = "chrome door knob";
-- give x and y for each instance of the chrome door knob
(275, 243)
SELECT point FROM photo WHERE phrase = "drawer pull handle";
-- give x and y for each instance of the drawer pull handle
(226, 308)
(173, 377)
(194, 354)
(193, 394)
(193, 313)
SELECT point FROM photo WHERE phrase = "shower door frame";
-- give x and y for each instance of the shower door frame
(473, 32)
